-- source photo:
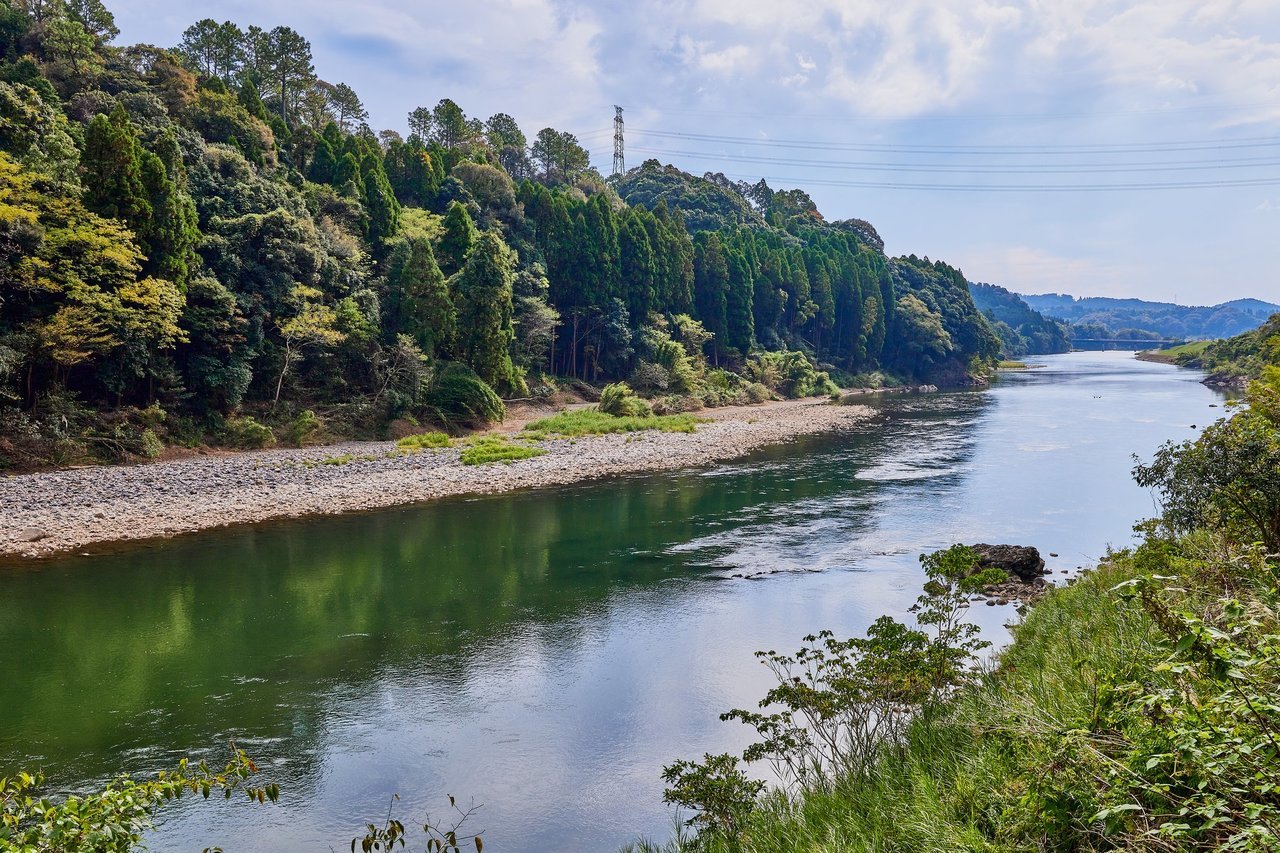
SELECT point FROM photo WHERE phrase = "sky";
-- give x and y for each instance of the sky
(1091, 147)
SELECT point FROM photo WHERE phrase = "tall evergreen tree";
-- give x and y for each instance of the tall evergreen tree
(458, 238)
(427, 310)
(112, 164)
(483, 288)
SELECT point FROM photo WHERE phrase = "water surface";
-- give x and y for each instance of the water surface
(545, 653)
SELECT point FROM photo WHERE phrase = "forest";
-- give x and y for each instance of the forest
(208, 243)
(1022, 330)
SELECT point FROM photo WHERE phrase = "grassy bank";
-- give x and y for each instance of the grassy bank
(1182, 354)
(1112, 721)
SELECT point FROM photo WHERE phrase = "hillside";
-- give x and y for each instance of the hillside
(1098, 316)
(1235, 361)
(209, 244)
(1022, 330)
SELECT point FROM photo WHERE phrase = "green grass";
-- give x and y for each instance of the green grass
(482, 450)
(425, 440)
(1191, 350)
(591, 422)
(1012, 365)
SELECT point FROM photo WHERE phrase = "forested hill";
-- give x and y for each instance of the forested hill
(1103, 317)
(202, 235)
(1022, 330)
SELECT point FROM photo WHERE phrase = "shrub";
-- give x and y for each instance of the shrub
(650, 377)
(619, 400)
(757, 393)
(247, 434)
(151, 446)
(459, 397)
(495, 448)
(425, 440)
(675, 404)
(304, 426)
(792, 374)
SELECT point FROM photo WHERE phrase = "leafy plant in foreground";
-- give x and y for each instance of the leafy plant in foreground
(115, 818)
(839, 703)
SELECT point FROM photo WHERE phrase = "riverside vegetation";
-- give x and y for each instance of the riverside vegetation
(208, 244)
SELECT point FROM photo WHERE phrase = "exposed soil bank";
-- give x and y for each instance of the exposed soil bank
(52, 512)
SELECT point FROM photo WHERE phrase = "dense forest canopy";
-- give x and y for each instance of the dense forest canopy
(198, 233)
(1022, 330)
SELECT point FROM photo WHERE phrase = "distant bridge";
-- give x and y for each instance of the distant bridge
(1123, 343)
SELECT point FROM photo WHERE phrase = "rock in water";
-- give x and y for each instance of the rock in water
(1019, 561)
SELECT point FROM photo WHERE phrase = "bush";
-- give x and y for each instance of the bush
(458, 396)
(676, 404)
(620, 401)
(757, 393)
(304, 426)
(792, 374)
(247, 434)
(151, 446)
(495, 448)
(425, 440)
(650, 377)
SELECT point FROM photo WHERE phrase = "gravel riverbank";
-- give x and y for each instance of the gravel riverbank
(52, 512)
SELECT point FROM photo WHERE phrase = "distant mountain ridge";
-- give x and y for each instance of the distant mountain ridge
(1104, 316)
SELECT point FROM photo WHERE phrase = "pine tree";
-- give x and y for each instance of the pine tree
(428, 312)
(638, 273)
(483, 288)
(458, 238)
(112, 164)
(711, 282)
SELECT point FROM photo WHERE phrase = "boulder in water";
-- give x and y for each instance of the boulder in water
(1019, 561)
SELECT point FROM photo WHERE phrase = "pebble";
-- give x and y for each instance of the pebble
(74, 508)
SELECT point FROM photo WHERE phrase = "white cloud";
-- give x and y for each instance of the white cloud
(1026, 269)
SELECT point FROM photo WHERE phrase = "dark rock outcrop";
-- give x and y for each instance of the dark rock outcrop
(1019, 561)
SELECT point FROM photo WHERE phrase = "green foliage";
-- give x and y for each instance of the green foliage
(495, 448)
(1229, 478)
(580, 422)
(790, 374)
(425, 440)
(620, 401)
(840, 703)
(1022, 330)
(721, 793)
(246, 433)
(458, 397)
(1245, 355)
(151, 444)
(484, 299)
(117, 817)
(304, 427)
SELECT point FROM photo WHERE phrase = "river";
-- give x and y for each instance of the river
(543, 654)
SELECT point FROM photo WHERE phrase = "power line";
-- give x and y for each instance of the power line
(1010, 188)
(1114, 148)
(855, 116)
(981, 168)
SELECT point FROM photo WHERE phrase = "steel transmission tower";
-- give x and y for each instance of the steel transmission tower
(619, 162)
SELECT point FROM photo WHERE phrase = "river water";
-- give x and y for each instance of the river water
(544, 654)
